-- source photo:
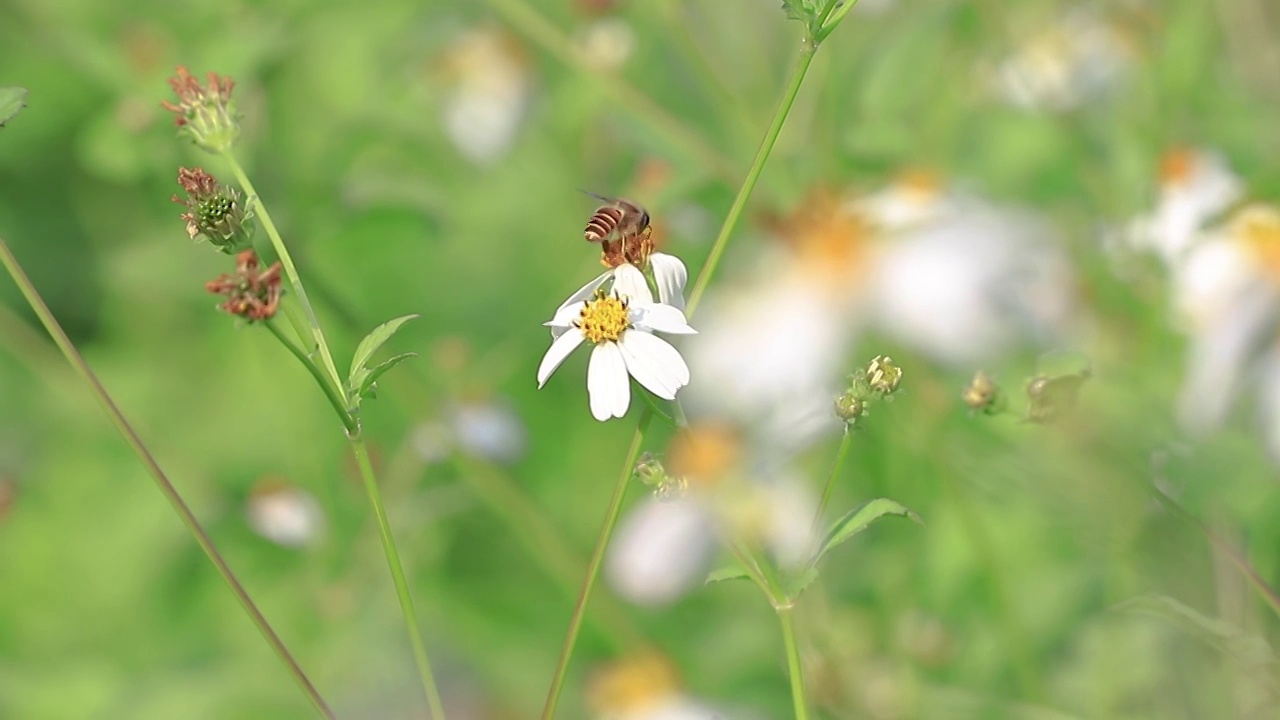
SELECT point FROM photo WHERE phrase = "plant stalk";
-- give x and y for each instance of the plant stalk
(335, 399)
(795, 669)
(593, 567)
(397, 575)
(841, 453)
(162, 481)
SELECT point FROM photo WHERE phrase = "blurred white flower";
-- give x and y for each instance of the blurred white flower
(607, 42)
(1077, 58)
(1195, 186)
(966, 281)
(490, 90)
(644, 687)
(488, 429)
(284, 514)
(1227, 299)
(661, 550)
(620, 326)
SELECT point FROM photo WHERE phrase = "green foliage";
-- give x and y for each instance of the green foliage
(360, 382)
(12, 100)
(733, 572)
(859, 519)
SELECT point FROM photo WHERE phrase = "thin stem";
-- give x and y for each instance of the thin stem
(841, 453)
(339, 406)
(829, 21)
(593, 567)
(397, 575)
(793, 662)
(291, 271)
(1237, 557)
(162, 481)
(753, 175)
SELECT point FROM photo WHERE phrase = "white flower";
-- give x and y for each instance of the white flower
(284, 514)
(490, 92)
(620, 325)
(1195, 185)
(669, 274)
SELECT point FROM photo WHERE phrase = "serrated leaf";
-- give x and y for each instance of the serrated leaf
(370, 344)
(859, 519)
(733, 572)
(12, 100)
(796, 586)
(371, 376)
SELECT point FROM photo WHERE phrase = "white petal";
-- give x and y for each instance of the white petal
(662, 549)
(654, 363)
(671, 275)
(584, 293)
(608, 386)
(663, 318)
(630, 283)
(556, 354)
(565, 315)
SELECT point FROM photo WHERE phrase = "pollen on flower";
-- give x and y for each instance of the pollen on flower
(1258, 227)
(604, 319)
(1177, 165)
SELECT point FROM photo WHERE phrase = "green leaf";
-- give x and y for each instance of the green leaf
(361, 378)
(797, 585)
(368, 384)
(12, 100)
(859, 519)
(733, 572)
(806, 11)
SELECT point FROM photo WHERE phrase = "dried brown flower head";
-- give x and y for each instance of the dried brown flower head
(250, 294)
(205, 113)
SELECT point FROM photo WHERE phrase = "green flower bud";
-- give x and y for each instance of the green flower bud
(214, 212)
(983, 395)
(850, 406)
(882, 376)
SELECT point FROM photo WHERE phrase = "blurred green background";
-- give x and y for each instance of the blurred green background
(1003, 605)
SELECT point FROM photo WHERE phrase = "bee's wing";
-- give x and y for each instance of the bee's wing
(601, 198)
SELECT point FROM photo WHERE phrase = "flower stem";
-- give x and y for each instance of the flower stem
(290, 269)
(753, 175)
(793, 661)
(162, 481)
(397, 575)
(335, 399)
(841, 453)
(333, 388)
(593, 567)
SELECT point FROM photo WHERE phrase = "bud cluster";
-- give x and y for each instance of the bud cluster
(650, 471)
(878, 381)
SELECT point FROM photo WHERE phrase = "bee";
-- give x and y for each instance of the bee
(622, 229)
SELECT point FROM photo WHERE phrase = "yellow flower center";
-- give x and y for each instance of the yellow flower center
(1258, 227)
(604, 319)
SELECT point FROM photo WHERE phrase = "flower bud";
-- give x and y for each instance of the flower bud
(207, 115)
(850, 406)
(214, 212)
(883, 376)
(983, 395)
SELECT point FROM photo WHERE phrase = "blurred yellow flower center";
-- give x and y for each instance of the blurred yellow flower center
(1258, 227)
(633, 684)
(604, 319)
(705, 453)
(1177, 165)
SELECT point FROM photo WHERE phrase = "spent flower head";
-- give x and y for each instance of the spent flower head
(205, 114)
(214, 212)
(982, 394)
(251, 294)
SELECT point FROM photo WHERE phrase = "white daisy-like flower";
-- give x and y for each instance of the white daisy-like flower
(1196, 184)
(620, 325)
(669, 275)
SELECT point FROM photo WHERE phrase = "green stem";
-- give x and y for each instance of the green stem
(290, 270)
(593, 567)
(339, 406)
(162, 481)
(397, 575)
(753, 175)
(793, 662)
(841, 454)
